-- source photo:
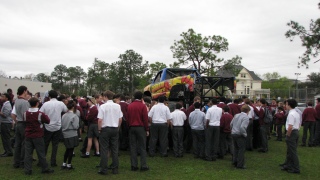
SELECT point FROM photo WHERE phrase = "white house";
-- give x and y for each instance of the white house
(33, 86)
(248, 83)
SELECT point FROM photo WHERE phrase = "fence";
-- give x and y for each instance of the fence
(302, 95)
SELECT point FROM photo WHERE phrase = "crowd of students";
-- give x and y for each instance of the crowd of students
(113, 122)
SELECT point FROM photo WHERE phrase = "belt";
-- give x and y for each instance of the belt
(109, 127)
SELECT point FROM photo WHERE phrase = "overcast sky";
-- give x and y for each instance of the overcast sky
(37, 35)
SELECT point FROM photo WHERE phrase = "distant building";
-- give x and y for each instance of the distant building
(248, 83)
(33, 86)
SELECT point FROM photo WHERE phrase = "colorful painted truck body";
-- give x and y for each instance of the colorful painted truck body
(183, 84)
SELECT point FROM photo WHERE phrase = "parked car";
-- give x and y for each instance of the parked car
(302, 106)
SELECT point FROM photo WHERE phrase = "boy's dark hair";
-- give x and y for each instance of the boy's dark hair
(9, 90)
(7, 96)
(244, 97)
(236, 101)
(147, 100)
(116, 96)
(178, 106)
(226, 108)
(263, 101)
(61, 97)
(33, 101)
(292, 103)
(310, 103)
(214, 101)
(53, 94)
(71, 104)
(222, 99)
(123, 97)
(228, 100)
(161, 99)
(197, 105)
(21, 90)
(318, 99)
(280, 108)
(109, 94)
(137, 95)
(73, 96)
(97, 96)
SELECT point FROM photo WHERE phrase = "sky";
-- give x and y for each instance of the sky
(37, 35)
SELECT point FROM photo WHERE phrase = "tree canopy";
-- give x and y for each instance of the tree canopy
(310, 39)
(202, 52)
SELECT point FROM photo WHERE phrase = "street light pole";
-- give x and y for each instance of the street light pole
(297, 94)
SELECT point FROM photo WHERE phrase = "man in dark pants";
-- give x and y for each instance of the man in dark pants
(309, 117)
(109, 121)
(159, 115)
(124, 138)
(213, 117)
(239, 126)
(176, 123)
(256, 126)
(316, 141)
(52, 131)
(187, 129)
(264, 128)
(251, 114)
(138, 132)
(6, 124)
(292, 126)
(20, 107)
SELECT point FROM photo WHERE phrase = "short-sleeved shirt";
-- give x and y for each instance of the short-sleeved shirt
(178, 117)
(197, 119)
(53, 110)
(293, 119)
(110, 113)
(214, 115)
(159, 113)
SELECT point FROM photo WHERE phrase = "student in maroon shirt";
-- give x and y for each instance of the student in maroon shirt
(138, 131)
(225, 132)
(93, 134)
(309, 117)
(234, 107)
(124, 138)
(222, 102)
(34, 137)
(279, 121)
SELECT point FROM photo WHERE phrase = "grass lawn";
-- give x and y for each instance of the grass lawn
(259, 166)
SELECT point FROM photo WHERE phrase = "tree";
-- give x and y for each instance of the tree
(155, 67)
(30, 76)
(278, 87)
(201, 51)
(3, 74)
(268, 76)
(97, 77)
(42, 77)
(58, 77)
(310, 39)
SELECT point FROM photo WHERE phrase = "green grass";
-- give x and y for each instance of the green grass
(259, 166)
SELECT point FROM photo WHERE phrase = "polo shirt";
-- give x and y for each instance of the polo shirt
(110, 113)
(159, 113)
(293, 119)
(214, 115)
(178, 117)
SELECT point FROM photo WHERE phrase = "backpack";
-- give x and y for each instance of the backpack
(267, 116)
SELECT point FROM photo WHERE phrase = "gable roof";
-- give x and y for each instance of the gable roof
(226, 73)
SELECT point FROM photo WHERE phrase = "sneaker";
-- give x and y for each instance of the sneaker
(97, 155)
(102, 173)
(133, 168)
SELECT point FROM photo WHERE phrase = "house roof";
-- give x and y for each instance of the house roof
(226, 73)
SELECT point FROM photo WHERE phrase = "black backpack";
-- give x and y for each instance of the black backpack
(267, 116)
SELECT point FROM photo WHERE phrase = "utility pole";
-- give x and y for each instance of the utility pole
(297, 94)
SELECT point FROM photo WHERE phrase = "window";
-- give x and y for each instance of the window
(248, 90)
(251, 85)
(243, 75)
